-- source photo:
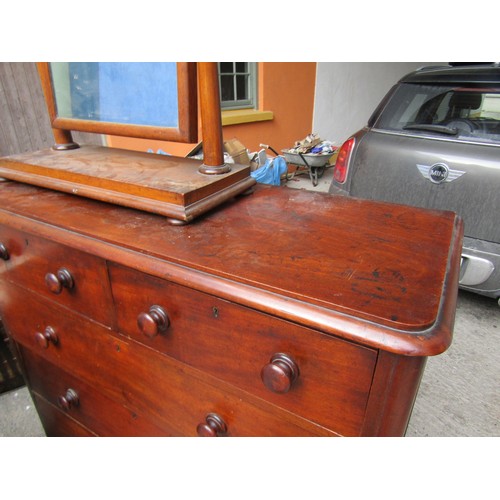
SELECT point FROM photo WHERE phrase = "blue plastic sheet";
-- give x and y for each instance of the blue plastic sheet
(271, 171)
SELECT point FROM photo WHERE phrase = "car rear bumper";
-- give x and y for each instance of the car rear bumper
(480, 268)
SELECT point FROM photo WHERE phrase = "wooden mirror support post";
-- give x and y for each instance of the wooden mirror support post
(211, 121)
(63, 138)
(179, 188)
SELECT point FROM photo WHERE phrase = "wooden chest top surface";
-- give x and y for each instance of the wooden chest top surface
(387, 264)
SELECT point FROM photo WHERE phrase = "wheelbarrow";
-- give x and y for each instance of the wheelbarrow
(315, 163)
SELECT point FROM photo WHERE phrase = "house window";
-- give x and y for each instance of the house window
(238, 84)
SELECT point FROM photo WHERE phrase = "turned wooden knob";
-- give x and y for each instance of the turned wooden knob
(44, 339)
(280, 373)
(4, 254)
(69, 400)
(212, 427)
(153, 322)
(61, 279)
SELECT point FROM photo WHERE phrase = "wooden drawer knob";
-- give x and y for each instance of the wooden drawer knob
(69, 400)
(212, 427)
(4, 253)
(61, 279)
(153, 322)
(280, 373)
(44, 339)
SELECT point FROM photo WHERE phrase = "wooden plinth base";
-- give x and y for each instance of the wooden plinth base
(161, 184)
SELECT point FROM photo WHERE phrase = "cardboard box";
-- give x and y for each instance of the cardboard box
(237, 151)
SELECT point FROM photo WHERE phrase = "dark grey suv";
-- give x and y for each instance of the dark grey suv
(434, 141)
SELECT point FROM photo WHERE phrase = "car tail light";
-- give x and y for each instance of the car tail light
(342, 163)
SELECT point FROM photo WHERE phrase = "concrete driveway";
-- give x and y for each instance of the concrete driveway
(460, 391)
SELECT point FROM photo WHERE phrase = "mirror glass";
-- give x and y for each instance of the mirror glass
(134, 93)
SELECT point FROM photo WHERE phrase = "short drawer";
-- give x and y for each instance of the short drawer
(320, 377)
(72, 278)
(170, 394)
(84, 403)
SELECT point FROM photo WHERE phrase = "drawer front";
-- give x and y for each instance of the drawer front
(55, 422)
(170, 394)
(238, 345)
(83, 402)
(74, 279)
(70, 341)
(191, 401)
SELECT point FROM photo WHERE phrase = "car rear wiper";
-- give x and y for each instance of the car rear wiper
(432, 128)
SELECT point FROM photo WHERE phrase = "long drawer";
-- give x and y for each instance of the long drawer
(83, 402)
(75, 279)
(309, 373)
(172, 394)
(56, 423)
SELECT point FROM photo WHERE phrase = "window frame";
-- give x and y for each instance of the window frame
(251, 101)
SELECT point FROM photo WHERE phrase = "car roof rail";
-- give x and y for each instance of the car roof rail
(440, 66)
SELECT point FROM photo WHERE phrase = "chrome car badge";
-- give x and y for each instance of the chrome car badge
(439, 172)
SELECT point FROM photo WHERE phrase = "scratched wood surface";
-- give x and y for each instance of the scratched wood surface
(167, 178)
(382, 262)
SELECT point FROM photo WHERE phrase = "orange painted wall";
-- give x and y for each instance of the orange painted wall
(285, 88)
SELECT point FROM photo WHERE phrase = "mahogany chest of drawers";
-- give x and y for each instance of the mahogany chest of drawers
(280, 313)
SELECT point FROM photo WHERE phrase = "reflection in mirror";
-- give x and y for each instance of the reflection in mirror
(124, 92)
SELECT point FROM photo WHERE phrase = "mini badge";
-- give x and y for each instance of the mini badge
(439, 172)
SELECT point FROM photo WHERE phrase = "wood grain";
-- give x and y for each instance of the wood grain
(351, 295)
(173, 395)
(166, 185)
(367, 271)
(95, 411)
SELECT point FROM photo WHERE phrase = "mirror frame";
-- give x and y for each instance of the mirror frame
(187, 130)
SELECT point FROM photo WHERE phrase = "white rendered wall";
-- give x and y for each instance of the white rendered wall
(348, 93)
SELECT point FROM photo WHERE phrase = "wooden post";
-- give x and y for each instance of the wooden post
(211, 121)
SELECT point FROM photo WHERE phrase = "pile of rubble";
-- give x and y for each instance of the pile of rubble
(312, 144)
